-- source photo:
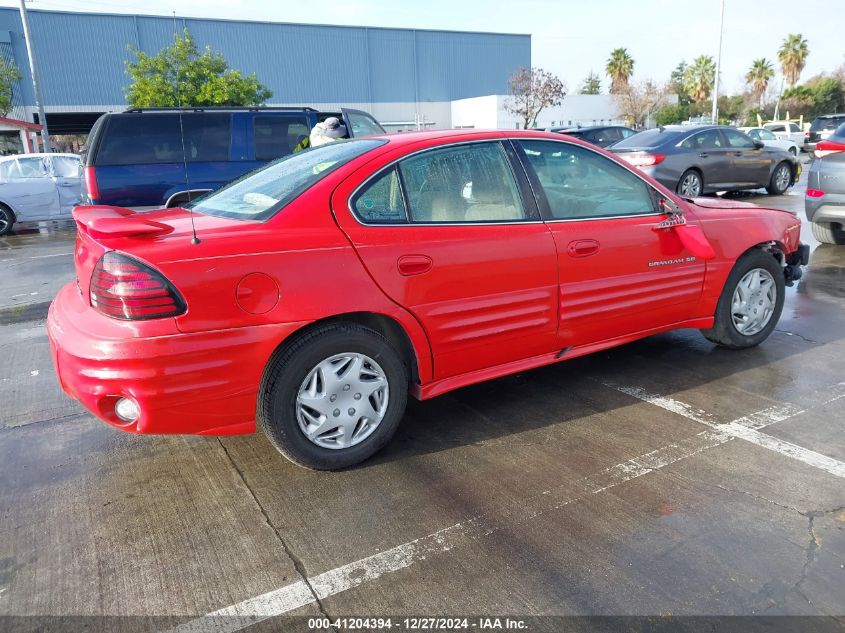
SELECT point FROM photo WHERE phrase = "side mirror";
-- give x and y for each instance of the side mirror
(759, 144)
(669, 207)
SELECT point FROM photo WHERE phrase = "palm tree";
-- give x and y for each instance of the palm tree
(793, 56)
(758, 77)
(699, 77)
(620, 67)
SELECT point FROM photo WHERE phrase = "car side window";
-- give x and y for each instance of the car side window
(29, 168)
(755, 134)
(738, 139)
(65, 167)
(776, 128)
(380, 201)
(582, 184)
(626, 132)
(463, 183)
(276, 136)
(709, 139)
(794, 128)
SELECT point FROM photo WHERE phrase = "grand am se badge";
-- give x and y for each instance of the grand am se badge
(669, 262)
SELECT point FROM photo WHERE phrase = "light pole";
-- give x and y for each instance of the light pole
(715, 112)
(39, 102)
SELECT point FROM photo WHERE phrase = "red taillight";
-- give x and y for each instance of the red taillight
(91, 182)
(814, 193)
(643, 160)
(124, 288)
(826, 148)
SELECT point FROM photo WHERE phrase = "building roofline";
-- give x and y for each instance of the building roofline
(322, 25)
(18, 123)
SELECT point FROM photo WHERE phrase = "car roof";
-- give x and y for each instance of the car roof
(39, 154)
(407, 138)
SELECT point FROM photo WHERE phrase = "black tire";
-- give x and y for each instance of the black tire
(7, 219)
(828, 233)
(288, 368)
(690, 176)
(773, 187)
(723, 332)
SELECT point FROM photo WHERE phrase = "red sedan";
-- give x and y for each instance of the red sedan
(313, 295)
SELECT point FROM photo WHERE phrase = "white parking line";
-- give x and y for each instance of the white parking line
(301, 593)
(290, 597)
(747, 427)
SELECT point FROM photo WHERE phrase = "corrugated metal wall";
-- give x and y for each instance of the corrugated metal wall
(81, 58)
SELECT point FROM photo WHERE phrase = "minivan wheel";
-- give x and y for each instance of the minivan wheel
(750, 304)
(6, 220)
(333, 397)
(690, 184)
(828, 233)
(780, 180)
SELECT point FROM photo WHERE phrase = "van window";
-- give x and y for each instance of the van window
(135, 139)
(276, 136)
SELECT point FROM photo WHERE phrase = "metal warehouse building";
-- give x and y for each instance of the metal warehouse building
(400, 75)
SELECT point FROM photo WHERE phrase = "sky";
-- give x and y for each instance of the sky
(569, 38)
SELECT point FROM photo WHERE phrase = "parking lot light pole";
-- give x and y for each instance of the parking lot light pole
(39, 102)
(715, 112)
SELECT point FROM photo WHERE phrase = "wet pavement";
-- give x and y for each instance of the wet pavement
(663, 477)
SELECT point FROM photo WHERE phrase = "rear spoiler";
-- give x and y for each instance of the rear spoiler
(109, 222)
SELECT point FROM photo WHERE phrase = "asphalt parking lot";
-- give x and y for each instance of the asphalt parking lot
(665, 477)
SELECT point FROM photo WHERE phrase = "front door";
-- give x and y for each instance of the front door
(448, 234)
(618, 275)
(711, 156)
(750, 165)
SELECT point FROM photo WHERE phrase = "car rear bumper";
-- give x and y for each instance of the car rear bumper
(829, 208)
(203, 383)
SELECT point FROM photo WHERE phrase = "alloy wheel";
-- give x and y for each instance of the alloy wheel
(782, 178)
(342, 400)
(691, 186)
(753, 302)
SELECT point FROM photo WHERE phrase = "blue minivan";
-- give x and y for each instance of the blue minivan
(164, 157)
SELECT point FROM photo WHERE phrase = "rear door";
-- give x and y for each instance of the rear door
(618, 275)
(449, 234)
(360, 123)
(30, 189)
(710, 155)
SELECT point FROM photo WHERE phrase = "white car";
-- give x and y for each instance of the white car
(786, 131)
(770, 140)
(38, 187)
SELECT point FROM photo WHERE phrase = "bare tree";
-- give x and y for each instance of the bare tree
(532, 90)
(637, 101)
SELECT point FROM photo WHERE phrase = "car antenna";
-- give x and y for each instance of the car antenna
(194, 238)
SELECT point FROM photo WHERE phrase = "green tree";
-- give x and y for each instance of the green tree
(591, 85)
(620, 67)
(758, 77)
(9, 76)
(676, 84)
(699, 78)
(180, 75)
(669, 114)
(793, 56)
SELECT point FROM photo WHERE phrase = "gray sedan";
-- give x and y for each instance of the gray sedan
(824, 201)
(37, 187)
(693, 160)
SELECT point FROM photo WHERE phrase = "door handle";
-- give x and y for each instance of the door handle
(414, 264)
(703, 154)
(583, 248)
(737, 153)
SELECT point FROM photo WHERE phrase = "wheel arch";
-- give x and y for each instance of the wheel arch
(11, 209)
(384, 324)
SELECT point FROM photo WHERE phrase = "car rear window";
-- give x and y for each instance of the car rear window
(839, 135)
(827, 123)
(262, 193)
(140, 139)
(648, 138)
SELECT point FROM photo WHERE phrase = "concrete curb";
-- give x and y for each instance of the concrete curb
(23, 313)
